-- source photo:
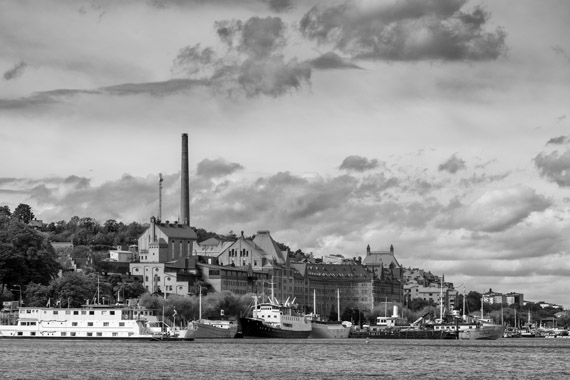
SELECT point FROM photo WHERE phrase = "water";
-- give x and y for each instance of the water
(286, 359)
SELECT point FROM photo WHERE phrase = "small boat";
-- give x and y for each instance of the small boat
(329, 330)
(213, 329)
(484, 330)
(326, 329)
(217, 328)
(511, 332)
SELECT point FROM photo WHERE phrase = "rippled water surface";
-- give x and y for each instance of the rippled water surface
(285, 359)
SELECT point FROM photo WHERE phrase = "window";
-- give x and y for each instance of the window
(73, 323)
(99, 334)
(89, 323)
(75, 312)
(121, 324)
(112, 312)
(105, 324)
(91, 312)
(89, 334)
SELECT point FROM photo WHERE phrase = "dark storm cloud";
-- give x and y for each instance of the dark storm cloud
(452, 165)
(217, 168)
(331, 60)
(405, 30)
(555, 167)
(16, 71)
(358, 164)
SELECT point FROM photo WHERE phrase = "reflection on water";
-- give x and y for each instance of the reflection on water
(286, 359)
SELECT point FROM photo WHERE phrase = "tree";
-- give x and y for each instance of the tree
(111, 225)
(133, 290)
(36, 294)
(23, 213)
(5, 211)
(75, 289)
(418, 303)
(26, 255)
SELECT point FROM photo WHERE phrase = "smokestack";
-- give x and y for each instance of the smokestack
(185, 185)
(159, 197)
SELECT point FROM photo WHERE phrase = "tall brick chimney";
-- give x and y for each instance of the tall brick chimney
(184, 184)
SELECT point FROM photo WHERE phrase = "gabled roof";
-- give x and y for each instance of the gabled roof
(264, 240)
(243, 242)
(210, 242)
(211, 247)
(177, 231)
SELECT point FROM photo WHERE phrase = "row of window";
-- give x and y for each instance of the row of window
(70, 312)
(33, 333)
(234, 253)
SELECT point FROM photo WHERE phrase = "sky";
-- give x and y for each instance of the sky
(438, 127)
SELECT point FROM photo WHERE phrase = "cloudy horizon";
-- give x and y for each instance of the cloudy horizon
(437, 126)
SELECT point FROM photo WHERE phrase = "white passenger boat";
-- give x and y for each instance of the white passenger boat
(95, 322)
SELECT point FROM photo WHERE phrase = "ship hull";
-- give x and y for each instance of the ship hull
(255, 328)
(402, 334)
(482, 333)
(329, 331)
(208, 331)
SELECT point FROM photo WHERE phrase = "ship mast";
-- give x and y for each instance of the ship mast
(315, 301)
(338, 305)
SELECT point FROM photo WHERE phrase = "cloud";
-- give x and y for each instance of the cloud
(406, 30)
(273, 76)
(251, 64)
(217, 168)
(159, 89)
(558, 50)
(560, 140)
(331, 60)
(274, 5)
(259, 37)
(554, 167)
(16, 71)
(496, 210)
(358, 164)
(452, 165)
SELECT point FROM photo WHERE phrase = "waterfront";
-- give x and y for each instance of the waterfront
(286, 359)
